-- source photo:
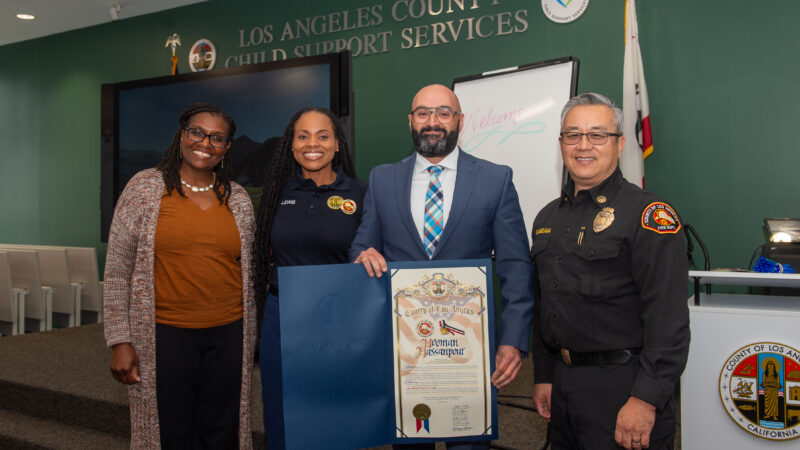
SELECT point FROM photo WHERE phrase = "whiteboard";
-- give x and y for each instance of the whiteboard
(513, 117)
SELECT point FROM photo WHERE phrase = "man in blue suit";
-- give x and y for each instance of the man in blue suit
(472, 212)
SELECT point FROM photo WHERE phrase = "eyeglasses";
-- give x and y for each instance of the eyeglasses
(197, 135)
(443, 114)
(595, 137)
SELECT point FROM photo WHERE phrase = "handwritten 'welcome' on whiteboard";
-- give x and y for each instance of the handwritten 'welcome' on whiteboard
(514, 118)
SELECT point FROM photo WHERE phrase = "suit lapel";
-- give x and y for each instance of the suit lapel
(466, 173)
(403, 174)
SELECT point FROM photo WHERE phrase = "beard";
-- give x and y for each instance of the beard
(434, 149)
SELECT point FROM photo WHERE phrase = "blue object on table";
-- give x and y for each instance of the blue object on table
(766, 265)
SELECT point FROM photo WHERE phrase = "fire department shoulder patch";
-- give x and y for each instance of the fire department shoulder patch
(661, 218)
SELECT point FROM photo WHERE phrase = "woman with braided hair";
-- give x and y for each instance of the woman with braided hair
(310, 210)
(178, 295)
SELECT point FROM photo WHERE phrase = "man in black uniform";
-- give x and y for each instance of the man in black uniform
(611, 323)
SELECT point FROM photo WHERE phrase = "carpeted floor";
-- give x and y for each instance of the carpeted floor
(56, 391)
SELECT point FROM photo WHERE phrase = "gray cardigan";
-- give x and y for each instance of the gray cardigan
(129, 297)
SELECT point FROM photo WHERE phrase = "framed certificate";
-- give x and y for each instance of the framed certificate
(443, 350)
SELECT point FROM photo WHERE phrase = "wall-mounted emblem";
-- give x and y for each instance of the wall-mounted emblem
(173, 42)
(564, 11)
(759, 386)
(202, 56)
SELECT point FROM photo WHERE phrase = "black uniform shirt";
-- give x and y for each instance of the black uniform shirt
(315, 224)
(611, 273)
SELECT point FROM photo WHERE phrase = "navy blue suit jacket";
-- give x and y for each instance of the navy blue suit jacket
(485, 216)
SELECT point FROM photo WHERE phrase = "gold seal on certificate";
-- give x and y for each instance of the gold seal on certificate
(422, 413)
(441, 352)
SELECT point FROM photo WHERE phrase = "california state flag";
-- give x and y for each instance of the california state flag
(635, 105)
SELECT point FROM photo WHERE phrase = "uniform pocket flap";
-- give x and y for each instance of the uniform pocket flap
(598, 251)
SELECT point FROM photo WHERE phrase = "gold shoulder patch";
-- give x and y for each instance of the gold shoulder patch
(661, 218)
(541, 231)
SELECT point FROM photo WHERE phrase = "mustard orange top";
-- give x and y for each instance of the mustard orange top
(198, 276)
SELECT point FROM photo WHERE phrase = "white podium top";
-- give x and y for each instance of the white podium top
(791, 280)
(746, 304)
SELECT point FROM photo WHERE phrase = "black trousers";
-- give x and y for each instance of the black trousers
(585, 403)
(198, 385)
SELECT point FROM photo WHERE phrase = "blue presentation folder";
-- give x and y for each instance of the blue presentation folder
(336, 344)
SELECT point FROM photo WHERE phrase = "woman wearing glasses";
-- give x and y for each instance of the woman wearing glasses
(310, 210)
(179, 311)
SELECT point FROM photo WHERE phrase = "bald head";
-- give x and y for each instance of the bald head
(436, 95)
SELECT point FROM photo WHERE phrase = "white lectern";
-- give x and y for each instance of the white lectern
(723, 326)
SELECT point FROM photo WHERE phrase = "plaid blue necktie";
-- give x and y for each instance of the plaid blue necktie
(434, 211)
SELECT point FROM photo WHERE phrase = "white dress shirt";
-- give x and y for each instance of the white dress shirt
(420, 180)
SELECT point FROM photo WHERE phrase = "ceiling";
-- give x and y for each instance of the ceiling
(57, 16)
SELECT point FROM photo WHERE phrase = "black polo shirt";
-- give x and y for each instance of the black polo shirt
(315, 224)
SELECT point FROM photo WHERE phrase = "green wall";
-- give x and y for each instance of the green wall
(724, 100)
(719, 79)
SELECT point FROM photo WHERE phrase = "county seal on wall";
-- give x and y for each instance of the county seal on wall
(202, 56)
(759, 386)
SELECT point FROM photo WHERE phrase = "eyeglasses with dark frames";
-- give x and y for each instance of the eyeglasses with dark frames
(197, 135)
(594, 137)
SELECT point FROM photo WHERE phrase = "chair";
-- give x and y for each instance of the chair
(83, 275)
(54, 269)
(25, 274)
(83, 269)
(12, 300)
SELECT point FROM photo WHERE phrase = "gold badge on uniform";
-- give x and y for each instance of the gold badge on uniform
(603, 219)
(348, 206)
(335, 202)
(601, 199)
